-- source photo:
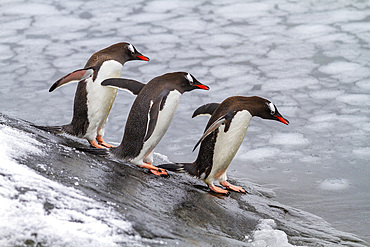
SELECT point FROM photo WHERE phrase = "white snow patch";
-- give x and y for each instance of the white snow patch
(267, 236)
(162, 157)
(35, 208)
(15, 143)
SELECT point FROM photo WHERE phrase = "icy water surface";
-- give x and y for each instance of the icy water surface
(311, 58)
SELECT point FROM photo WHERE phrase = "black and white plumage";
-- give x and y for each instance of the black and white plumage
(223, 136)
(93, 102)
(151, 115)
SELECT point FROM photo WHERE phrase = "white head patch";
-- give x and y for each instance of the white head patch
(190, 79)
(272, 108)
(131, 48)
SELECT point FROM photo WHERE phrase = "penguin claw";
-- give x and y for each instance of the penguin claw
(160, 172)
(165, 175)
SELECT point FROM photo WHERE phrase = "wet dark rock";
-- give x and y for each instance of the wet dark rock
(178, 210)
(48, 207)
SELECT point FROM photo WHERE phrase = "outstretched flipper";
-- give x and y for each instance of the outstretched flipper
(157, 105)
(225, 119)
(129, 85)
(77, 75)
(206, 109)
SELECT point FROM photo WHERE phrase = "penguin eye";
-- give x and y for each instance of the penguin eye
(189, 78)
(131, 48)
(272, 108)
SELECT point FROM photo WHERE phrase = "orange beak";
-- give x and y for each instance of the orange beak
(142, 58)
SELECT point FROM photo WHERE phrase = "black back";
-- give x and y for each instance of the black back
(118, 52)
(257, 106)
(138, 119)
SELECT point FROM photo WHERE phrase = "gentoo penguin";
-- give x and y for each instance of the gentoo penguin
(223, 136)
(93, 101)
(150, 116)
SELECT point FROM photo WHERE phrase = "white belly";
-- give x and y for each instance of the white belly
(227, 144)
(100, 99)
(163, 122)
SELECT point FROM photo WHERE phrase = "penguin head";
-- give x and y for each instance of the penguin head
(267, 110)
(120, 52)
(189, 82)
(133, 54)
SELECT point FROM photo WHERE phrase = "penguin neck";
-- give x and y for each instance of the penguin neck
(109, 69)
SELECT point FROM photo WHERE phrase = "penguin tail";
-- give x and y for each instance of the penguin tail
(178, 167)
(51, 129)
(95, 151)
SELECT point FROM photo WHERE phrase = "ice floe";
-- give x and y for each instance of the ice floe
(289, 139)
(334, 184)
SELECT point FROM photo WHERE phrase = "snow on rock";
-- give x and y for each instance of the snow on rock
(36, 209)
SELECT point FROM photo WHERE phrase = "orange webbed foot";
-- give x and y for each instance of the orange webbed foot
(155, 170)
(218, 189)
(101, 142)
(233, 187)
(93, 143)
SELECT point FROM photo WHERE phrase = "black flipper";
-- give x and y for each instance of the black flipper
(153, 113)
(126, 84)
(206, 109)
(77, 75)
(225, 119)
